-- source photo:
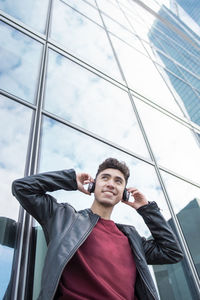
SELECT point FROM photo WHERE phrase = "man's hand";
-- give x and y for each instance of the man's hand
(81, 179)
(140, 199)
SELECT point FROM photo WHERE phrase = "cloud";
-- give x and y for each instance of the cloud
(14, 134)
(91, 103)
(174, 145)
(83, 38)
(86, 9)
(21, 60)
(84, 154)
(138, 70)
(32, 13)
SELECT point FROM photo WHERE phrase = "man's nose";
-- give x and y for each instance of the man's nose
(110, 184)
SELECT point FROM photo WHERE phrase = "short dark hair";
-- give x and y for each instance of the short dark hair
(113, 163)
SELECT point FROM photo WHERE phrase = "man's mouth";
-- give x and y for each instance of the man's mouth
(110, 192)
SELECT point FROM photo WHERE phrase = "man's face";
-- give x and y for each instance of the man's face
(109, 187)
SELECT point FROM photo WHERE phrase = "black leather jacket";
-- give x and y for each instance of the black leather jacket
(66, 229)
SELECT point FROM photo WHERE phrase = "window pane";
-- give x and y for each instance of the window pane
(75, 150)
(30, 12)
(83, 38)
(123, 33)
(112, 10)
(90, 101)
(83, 153)
(189, 97)
(14, 132)
(143, 76)
(174, 145)
(85, 9)
(185, 199)
(140, 19)
(20, 59)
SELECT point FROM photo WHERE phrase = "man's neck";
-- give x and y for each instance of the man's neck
(102, 211)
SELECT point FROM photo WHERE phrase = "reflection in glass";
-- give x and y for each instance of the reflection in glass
(123, 33)
(83, 38)
(185, 199)
(172, 283)
(85, 9)
(188, 96)
(83, 153)
(13, 146)
(175, 146)
(90, 101)
(75, 150)
(30, 12)
(112, 10)
(140, 19)
(8, 231)
(39, 259)
(16, 119)
(20, 59)
(143, 77)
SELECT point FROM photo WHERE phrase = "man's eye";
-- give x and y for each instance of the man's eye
(118, 181)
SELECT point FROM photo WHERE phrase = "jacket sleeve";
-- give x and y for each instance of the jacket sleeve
(31, 191)
(163, 248)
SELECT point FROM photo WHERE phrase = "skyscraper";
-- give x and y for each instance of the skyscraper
(191, 8)
(84, 80)
(181, 57)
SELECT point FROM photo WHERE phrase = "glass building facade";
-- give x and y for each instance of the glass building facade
(181, 57)
(81, 81)
(185, 9)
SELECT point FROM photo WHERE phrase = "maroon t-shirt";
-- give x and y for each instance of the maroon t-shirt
(102, 268)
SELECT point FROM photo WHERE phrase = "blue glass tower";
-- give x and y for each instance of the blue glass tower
(192, 8)
(178, 47)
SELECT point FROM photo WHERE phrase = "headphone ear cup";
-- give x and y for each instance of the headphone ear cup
(126, 195)
(91, 187)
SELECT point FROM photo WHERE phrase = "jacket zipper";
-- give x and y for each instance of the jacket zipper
(72, 253)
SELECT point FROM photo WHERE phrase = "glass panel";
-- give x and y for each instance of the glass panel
(111, 9)
(174, 282)
(183, 56)
(174, 145)
(83, 38)
(123, 33)
(85, 9)
(90, 101)
(191, 78)
(185, 199)
(143, 77)
(169, 64)
(15, 118)
(20, 59)
(30, 12)
(140, 19)
(189, 14)
(188, 96)
(86, 157)
(178, 33)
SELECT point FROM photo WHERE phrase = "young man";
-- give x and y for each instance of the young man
(89, 256)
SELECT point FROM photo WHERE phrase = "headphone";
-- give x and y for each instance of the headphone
(91, 188)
